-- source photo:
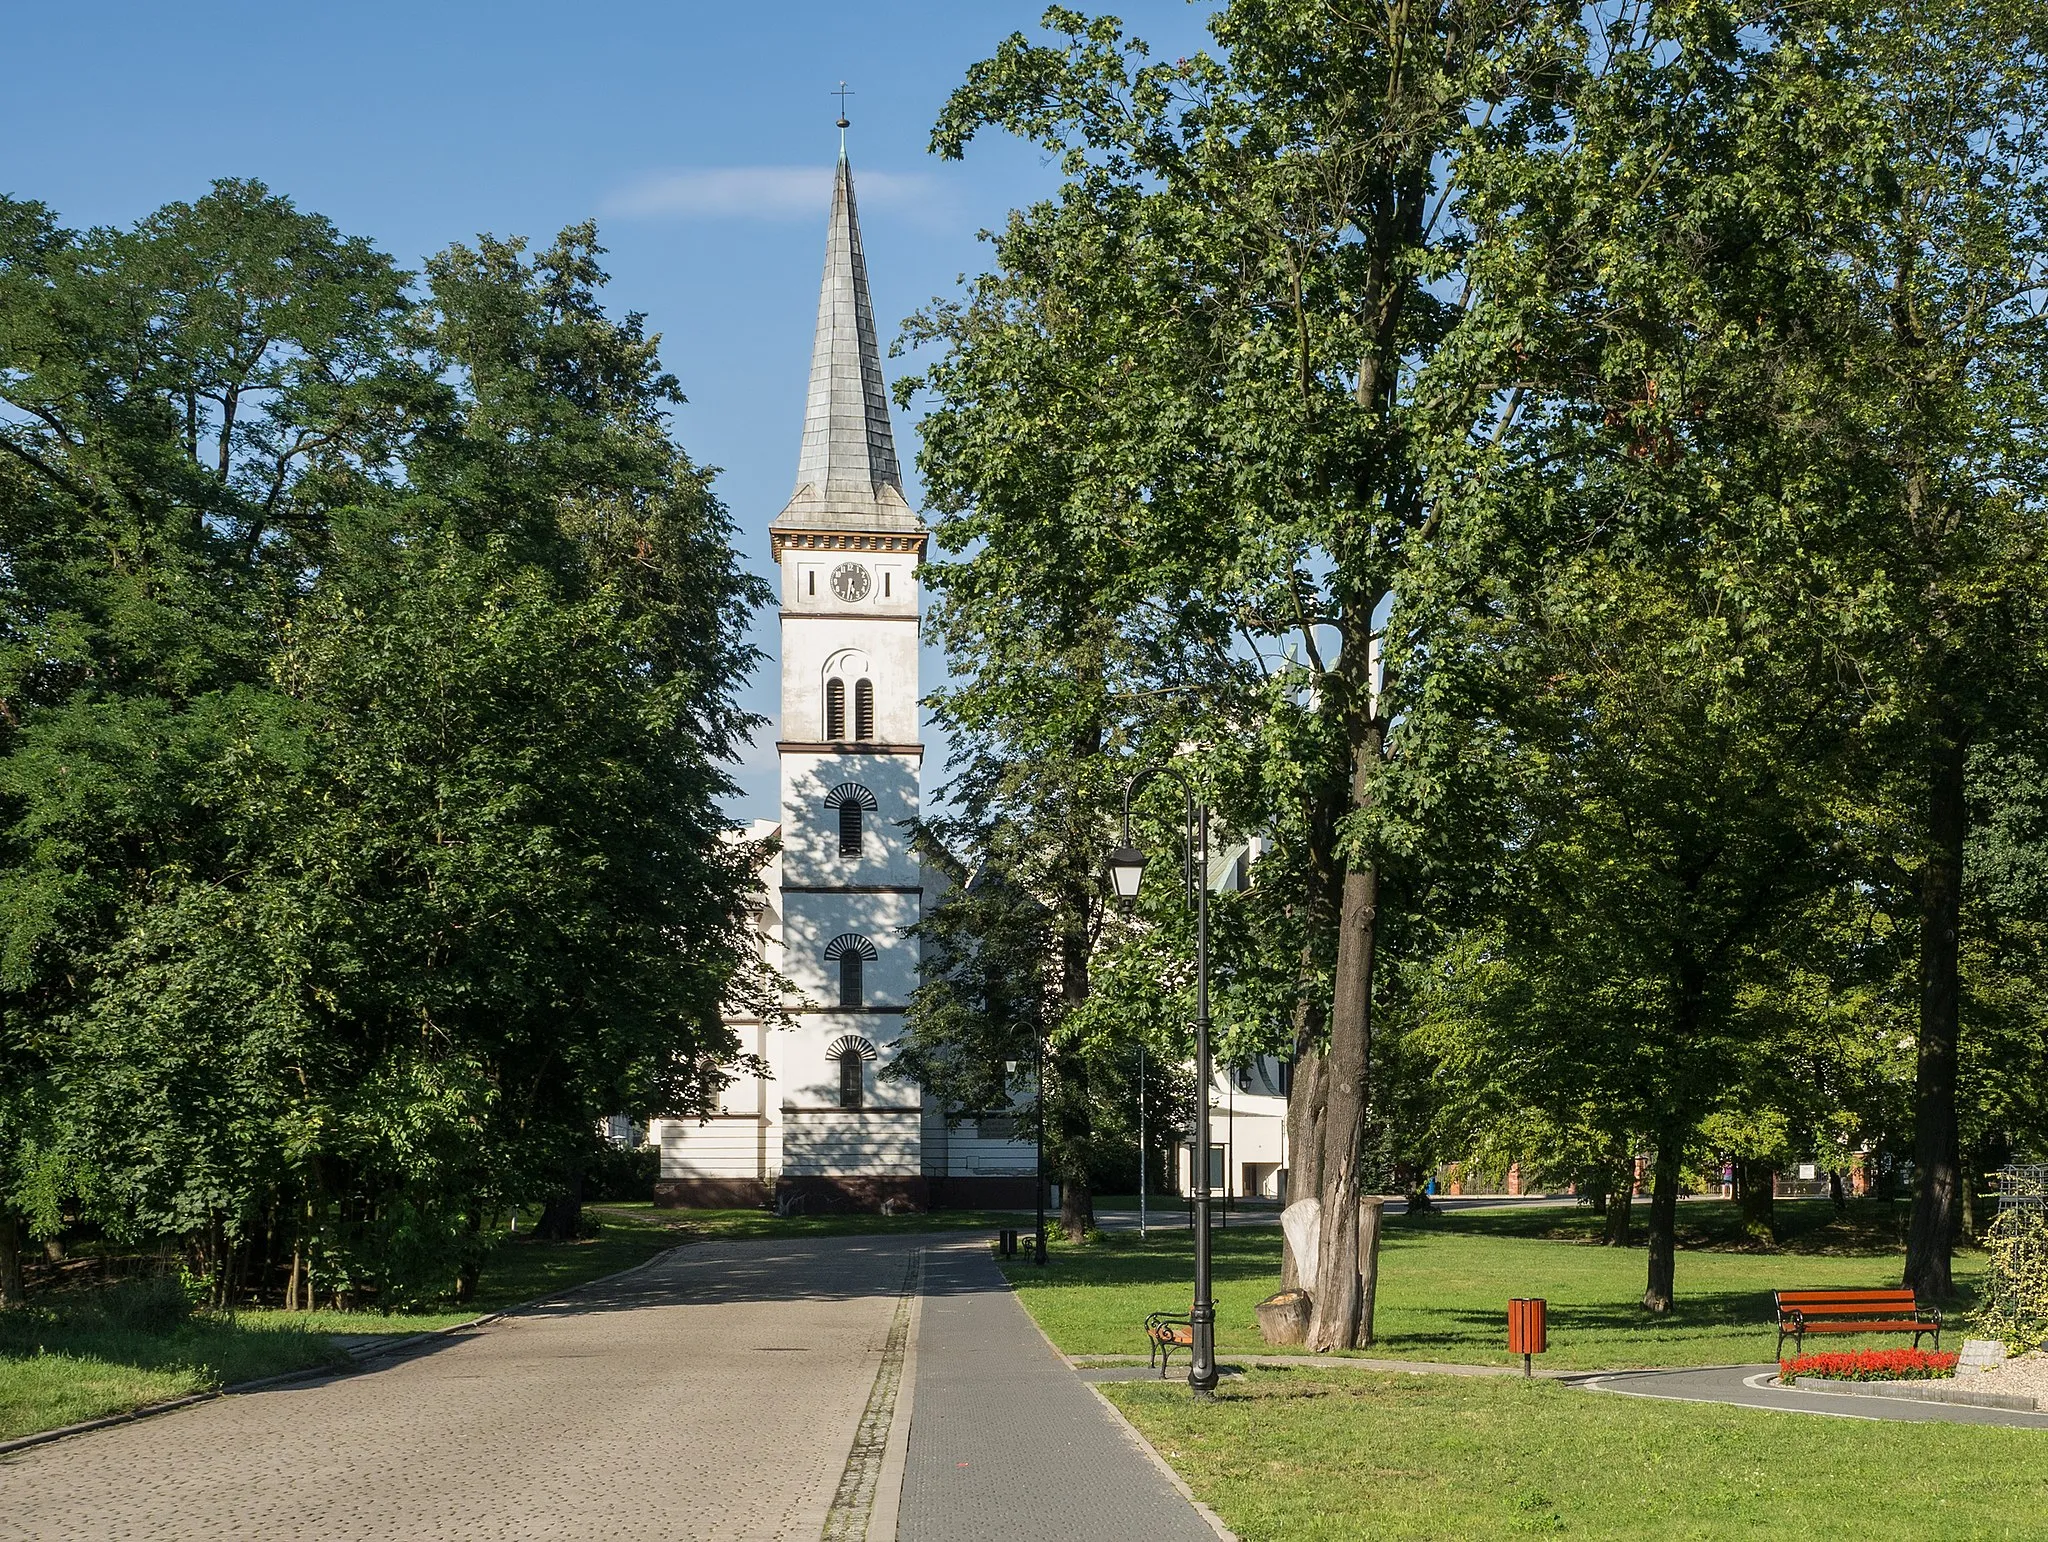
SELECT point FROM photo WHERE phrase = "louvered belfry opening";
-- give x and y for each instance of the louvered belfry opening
(849, 828)
(864, 709)
(835, 709)
(852, 1084)
(849, 951)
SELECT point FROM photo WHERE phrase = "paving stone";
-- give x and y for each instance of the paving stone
(714, 1395)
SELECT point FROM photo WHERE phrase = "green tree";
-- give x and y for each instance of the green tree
(159, 449)
(370, 669)
(1942, 412)
(1245, 265)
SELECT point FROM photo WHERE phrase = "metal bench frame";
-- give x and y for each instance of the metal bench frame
(1168, 1331)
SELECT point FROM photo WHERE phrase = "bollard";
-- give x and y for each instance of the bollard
(1528, 1329)
(1009, 1242)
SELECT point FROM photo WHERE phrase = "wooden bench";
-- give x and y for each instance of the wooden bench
(1801, 1312)
(1167, 1332)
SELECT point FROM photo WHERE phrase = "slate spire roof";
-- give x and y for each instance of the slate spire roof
(847, 476)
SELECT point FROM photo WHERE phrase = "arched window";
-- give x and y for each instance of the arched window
(864, 709)
(835, 709)
(850, 951)
(853, 802)
(852, 1054)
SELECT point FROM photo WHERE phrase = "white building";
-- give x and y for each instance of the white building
(840, 899)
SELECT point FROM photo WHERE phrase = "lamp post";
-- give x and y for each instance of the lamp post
(1126, 869)
(1141, 1143)
(1038, 1248)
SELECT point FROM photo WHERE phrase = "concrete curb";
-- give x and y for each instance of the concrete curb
(883, 1520)
(354, 1361)
(1229, 1363)
(1928, 1391)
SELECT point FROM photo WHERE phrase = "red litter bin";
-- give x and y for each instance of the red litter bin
(1528, 1329)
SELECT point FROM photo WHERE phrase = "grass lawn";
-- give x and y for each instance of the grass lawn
(1336, 1454)
(696, 1225)
(1445, 1281)
(67, 1359)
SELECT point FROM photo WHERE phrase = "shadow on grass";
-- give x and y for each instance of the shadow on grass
(213, 1350)
(1865, 1227)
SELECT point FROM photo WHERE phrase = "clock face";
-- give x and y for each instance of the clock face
(850, 581)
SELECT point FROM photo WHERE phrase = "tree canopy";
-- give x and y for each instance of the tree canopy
(367, 672)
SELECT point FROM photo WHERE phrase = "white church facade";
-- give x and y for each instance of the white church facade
(841, 897)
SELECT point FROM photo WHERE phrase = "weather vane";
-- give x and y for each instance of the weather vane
(842, 93)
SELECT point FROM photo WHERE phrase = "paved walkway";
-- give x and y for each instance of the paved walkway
(728, 1391)
(715, 1394)
(1006, 1442)
(1740, 1385)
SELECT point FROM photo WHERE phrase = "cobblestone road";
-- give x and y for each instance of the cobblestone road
(713, 1395)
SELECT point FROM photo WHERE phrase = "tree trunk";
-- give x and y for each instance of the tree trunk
(1077, 1208)
(1931, 1234)
(1620, 1211)
(1306, 1100)
(1070, 1079)
(12, 1294)
(1371, 1212)
(561, 1218)
(470, 1267)
(1657, 1297)
(1336, 1317)
(1837, 1195)
(1757, 1199)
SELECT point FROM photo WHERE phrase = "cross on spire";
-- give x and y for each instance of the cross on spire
(842, 93)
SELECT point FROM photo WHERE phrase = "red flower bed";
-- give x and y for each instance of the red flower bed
(1872, 1365)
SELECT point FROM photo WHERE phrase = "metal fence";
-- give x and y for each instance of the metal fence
(2016, 1295)
(2023, 1186)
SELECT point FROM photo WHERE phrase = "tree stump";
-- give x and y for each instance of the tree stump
(1283, 1319)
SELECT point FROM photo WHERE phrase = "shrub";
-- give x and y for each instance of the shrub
(2016, 1296)
(622, 1172)
(155, 1303)
(1872, 1365)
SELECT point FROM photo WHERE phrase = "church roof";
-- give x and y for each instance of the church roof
(847, 476)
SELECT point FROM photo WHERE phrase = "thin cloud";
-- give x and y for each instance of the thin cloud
(760, 193)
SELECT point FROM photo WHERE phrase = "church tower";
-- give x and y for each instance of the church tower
(847, 548)
(838, 901)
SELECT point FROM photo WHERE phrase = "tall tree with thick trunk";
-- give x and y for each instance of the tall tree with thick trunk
(1940, 574)
(1245, 264)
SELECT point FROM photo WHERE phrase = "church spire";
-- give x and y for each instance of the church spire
(847, 475)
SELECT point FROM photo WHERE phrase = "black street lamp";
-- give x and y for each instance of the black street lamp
(1038, 1249)
(1126, 869)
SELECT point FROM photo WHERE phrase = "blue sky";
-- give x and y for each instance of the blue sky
(700, 136)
